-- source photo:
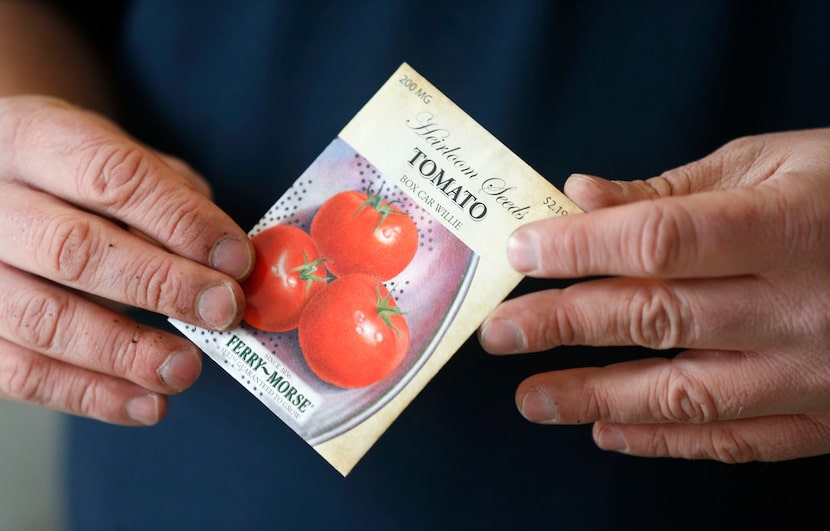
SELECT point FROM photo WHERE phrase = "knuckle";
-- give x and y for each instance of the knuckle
(36, 318)
(86, 400)
(576, 249)
(598, 405)
(727, 446)
(659, 444)
(154, 285)
(681, 397)
(26, 381)
(115, 174)
(676, 181)
(70, 245)
(126, 360)
(662, 234)
(183, 223)
(712, 442)
(559, 328)
(657, 317)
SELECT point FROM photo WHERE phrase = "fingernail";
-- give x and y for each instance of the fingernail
(592, 180)
(522, 251)
(582, 177)
(502, 336)
(598, 192)
(217, 307)
(538, 407)
(232, 256)
(612, 440)
(180, 369)
(144, 409)
(579, 181)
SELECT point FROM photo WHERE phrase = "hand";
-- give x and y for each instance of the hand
(85, 209)
(727, 257)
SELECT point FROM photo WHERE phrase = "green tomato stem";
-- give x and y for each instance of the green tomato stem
(385, 310)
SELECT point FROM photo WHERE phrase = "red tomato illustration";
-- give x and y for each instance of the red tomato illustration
(287, 273)
(352, 334)
(360, 233)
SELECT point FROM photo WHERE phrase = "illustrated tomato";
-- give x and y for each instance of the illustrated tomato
(288, 271)
(360, 233)
(352, 334)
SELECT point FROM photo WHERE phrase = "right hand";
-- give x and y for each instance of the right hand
(77, 197)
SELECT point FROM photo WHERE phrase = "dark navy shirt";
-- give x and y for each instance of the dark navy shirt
(249, 93)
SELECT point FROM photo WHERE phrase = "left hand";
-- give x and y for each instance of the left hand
(727, 257)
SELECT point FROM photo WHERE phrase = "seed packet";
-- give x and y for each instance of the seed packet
(377, 264)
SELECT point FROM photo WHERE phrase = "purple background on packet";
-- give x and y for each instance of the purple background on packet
(429, 290)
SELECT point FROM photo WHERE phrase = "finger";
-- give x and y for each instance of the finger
(702, 235)
(694, 387)
(48, 238)
(35, 379)
(93, 165)
(184, 169)
(738, 441)
(726, 314)
(741, 162)
(43, 318)
(591, 192)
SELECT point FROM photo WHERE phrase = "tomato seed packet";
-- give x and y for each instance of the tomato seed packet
(376, 265)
